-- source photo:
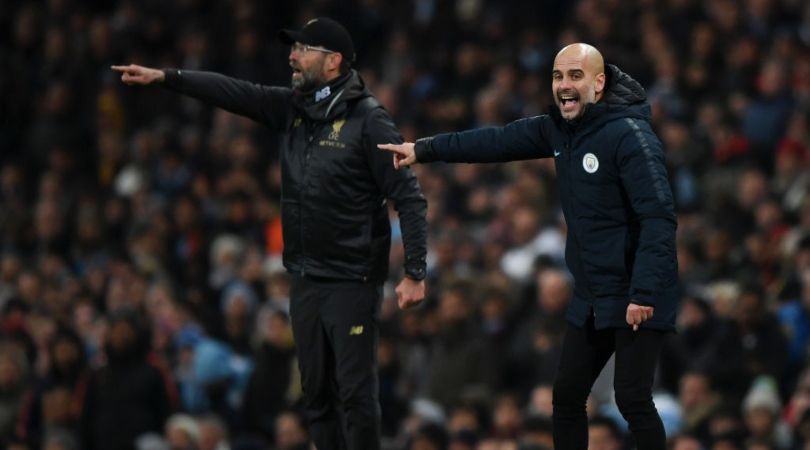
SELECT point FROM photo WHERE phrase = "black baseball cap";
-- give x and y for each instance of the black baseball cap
(322, 32)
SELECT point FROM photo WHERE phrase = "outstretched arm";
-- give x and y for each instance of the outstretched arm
(521, 139)
(265, 104)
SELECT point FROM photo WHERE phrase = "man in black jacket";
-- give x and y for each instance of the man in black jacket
(335, 184)
(621, 232)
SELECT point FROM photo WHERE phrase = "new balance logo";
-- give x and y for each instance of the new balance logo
(322, 94)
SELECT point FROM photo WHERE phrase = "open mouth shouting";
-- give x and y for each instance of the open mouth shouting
(296, 71)
(569, 102)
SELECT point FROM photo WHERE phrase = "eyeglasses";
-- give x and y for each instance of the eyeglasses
(303, 48)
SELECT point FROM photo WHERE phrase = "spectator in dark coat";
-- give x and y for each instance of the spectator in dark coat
(700, 345)
(57, 399)
(460, 359)
(269, 389)
(757, 330)
(130, 395)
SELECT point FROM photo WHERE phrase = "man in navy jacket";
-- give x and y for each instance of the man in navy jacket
(620, 247)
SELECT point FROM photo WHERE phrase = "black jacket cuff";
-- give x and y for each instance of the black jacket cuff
(172, 77)
(423, 150)
(641, 303)
(416, 269)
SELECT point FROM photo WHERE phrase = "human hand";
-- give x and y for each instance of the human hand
(410, 292)
(637, 314)
(135, 74)
(404, 154)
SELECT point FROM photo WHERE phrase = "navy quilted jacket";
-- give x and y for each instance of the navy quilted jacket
(614, 193)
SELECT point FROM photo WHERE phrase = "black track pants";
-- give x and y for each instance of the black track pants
(336, 331)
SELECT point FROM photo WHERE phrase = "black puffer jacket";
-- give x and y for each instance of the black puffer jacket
(335, 182)
(614, 194)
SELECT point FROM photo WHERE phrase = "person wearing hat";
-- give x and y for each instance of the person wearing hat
(336, 230)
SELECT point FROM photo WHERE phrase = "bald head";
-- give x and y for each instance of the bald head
(578, 78)
(587, 54)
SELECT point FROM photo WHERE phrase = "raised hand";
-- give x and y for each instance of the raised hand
(135, 74)
(404, 154)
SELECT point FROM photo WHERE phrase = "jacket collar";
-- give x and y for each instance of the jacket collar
(624, 97)
(327, 102)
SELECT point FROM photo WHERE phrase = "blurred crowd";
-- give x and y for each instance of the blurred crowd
(143, 303)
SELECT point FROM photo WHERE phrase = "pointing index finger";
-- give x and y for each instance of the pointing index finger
(394, 148)
(121, 68)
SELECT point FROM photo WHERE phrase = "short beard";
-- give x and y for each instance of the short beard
(309, 80)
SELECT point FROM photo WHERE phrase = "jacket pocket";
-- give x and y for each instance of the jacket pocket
(603, 257)
(342, 240)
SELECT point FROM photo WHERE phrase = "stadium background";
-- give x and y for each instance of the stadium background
(140, 270)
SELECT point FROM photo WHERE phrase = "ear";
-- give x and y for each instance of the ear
(333, 61)
(599, 85)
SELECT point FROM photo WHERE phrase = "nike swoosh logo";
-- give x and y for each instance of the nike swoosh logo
(556, 153)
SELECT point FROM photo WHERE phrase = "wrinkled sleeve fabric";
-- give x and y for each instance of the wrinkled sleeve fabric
(522, 139)
(402, 187)
(270, 105)
(644, 178)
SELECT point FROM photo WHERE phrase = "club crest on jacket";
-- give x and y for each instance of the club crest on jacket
(590, 163)
(336, 126)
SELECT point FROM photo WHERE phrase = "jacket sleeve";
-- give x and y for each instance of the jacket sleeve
(644, 178)
(402, 187)
(269, 105)
(518, 140)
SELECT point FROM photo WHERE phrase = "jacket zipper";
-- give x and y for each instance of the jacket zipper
(568, 151)
(301, 192)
